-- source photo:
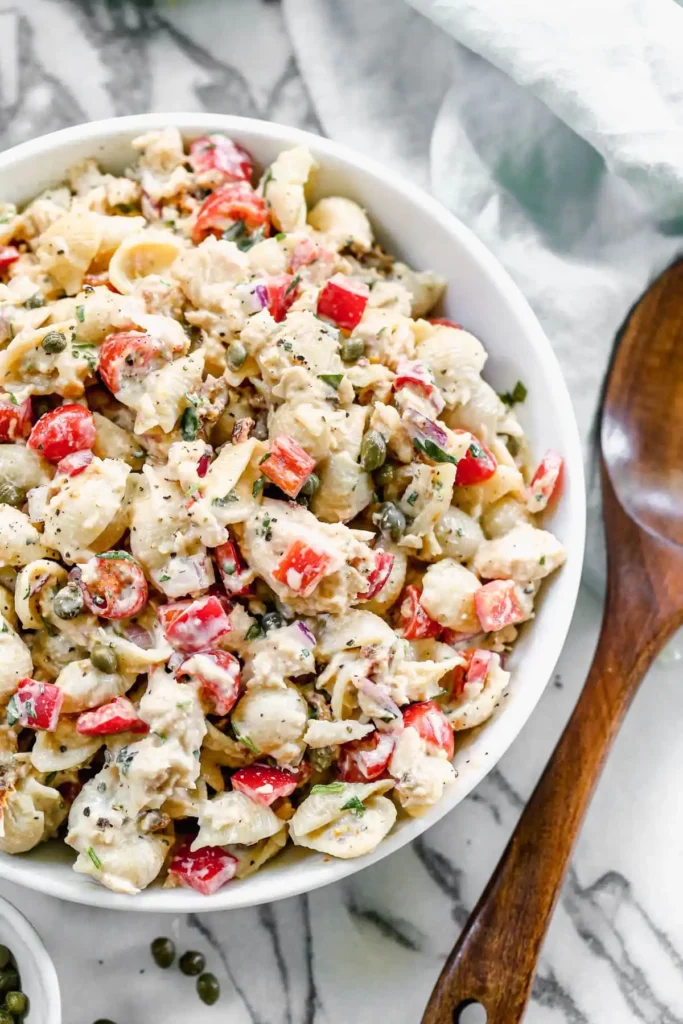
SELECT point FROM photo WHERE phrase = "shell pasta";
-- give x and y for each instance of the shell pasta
(267, 535)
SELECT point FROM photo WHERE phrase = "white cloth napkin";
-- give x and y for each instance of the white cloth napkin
(553, 129)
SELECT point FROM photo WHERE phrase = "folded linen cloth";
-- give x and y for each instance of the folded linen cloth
(553, 130)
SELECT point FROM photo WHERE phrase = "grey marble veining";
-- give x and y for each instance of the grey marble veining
(371, 947)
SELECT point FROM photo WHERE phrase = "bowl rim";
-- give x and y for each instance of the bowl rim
(41, 959)
(503, 731)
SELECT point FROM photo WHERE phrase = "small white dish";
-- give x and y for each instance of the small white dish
(37, 972)
(482, 297)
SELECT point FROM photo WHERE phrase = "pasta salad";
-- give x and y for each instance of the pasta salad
(266, 535)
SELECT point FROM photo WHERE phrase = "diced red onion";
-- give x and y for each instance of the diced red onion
(379, 696)
(139, 636)
(420, 428)
(253, 296)
(306, 632)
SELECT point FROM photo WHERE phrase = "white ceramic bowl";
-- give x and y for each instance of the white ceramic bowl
(37, 972)
(482, 297)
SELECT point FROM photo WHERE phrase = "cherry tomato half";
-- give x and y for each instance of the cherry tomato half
(128, 356)
(113, 585)
(63, 431)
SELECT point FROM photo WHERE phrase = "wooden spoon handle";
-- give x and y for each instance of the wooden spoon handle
(494, 961)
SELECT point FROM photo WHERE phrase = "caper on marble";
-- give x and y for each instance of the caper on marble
(271, 620)
(192, 963)
(68, 602)
(392, 522)
(10, 494)
(103, 658)
(351, 349)
(53, 342)
(310, 486)
(237, 354)
(163, 952)
(16, 1003)
(373, 451)
(208, 988)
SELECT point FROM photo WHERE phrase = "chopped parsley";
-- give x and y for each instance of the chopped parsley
(280, 236)
(355, 805)
(412, 498)
(332, 787)
(514, 397)
(541, 560)
(94, 858)
(119, 556)
(294, 283)
(476, 450)
(226, 499)
(333, 379)
(254, 632)
(80, 313)
(432, 451)
(189, 425)
(258, 486)
(264, 458)
(12, 398)
(247, 742)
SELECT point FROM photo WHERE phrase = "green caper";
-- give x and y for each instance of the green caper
(35, 301)
(402, 477)
(385, 474)
(5, 957)
(237, 354)
(271, 620)
(208, 988)
(9, 980)
(392, 522)
(351, 349)
(16, 1003)
(68, 602)
(53, 341)
(163, 952)
(192, 963)
(373, 451)
(6, 1017)
(10, 494)
(311, 485)
(103, 658)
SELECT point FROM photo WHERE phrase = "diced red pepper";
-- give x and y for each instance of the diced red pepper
(222, 158)
(384, 563)
(445, 322)
(476, 465)
(228, 204)
(367, 759)
(128, 356)
(9, 254)
(74, 464)
(35, 705)
(194, 625)
(432, 725)
(205, 870)
(113, 585)
(63, 431)
(306, 251)
(415, 623)
(545, 480)
(217, 677)
(233, 569)
(302, 568)
(497, 605)
(282, 289)
(99, 281)
(343, 301)
(287, 465)
(416, 374)
(264, 784)
(119, 715)
(15, 420)
(475, 669)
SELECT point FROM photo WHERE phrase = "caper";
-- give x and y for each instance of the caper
(311, 485)
(385, 474)
(192, 963)
(351, 349)
(237, 354)
(208, 988)
(271, 620)
(163, 952)
(53, 341)
(373, 451)
(5, 957)
(9, 980)
(392, 522)
(10, 494)
(16, 1003)
(402, 477)
(68, 602)
(103, 658)
(35, 301)
(6, 1017)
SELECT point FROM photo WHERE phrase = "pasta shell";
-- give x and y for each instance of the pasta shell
(68, 247)
(142, 254)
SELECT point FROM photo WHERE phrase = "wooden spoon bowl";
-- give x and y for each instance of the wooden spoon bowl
(641, 454)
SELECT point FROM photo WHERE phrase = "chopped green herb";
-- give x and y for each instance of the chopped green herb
(254, 632)
(165, 578)
(189, 425)
(332, 787)
(50, 778)
(258, 486)
(292, 285)
(13, 710)
(226, 499)
(412, 498)
(476, 450)
(518, 394)
(267, 178)
(355, 805)
(125, 207)
(264, 458)
(12, 398)
(247, 742)
(432, 451)
(541, 560)
(122, 556)
(80, 313)
(333, 379)
(94, 858)
(280, 236)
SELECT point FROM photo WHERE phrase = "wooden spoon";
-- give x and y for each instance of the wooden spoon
(641, 453)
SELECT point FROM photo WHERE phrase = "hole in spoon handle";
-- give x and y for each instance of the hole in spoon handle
(470, 1011)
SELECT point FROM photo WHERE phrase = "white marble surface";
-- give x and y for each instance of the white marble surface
(369, 948)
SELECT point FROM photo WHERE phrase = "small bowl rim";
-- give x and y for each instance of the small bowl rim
(501, 732)
(41, 960)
